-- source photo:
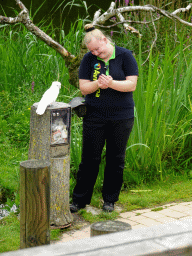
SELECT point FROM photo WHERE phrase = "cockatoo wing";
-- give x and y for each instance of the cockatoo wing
(49, 97)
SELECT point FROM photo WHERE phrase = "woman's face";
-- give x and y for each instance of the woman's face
(99, 47)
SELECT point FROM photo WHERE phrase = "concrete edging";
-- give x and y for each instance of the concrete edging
(173, 238)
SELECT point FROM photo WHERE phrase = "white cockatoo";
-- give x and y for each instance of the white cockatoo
(49, 97)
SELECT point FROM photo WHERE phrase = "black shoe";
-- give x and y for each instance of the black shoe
(108, 207)
(74, 207)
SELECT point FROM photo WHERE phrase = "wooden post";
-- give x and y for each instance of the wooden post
(60, 214)
(34, 203)
(106, 227)
(59, 155)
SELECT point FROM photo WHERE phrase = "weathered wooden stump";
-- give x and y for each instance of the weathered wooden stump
(106, 227)
(34, 203)
(43, 131)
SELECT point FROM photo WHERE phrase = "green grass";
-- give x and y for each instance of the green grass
(161, 193)
(157, 209)
(100, 217)
(10, 158)
(55, 234)
(172, 190)
(9, 233)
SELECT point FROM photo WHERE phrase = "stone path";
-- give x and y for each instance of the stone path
(138, 219)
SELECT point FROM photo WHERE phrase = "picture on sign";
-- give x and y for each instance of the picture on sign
(60, 120)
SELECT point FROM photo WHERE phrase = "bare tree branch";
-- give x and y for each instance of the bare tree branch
(23, 17)
(71, 61)
(126, 26)
(174, 16)
(182, 9)
(107, 15)
(127, 21)
(99, 20)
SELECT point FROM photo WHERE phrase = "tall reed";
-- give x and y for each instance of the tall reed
(162, 118)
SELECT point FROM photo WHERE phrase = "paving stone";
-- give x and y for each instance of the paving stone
(66, 239)
(80, 235)
(132, 223)
(149, 222)
(189, 212)
(173, 214)
(180, 208)
(153, 215)
(65, 235)
(127, 214)
(142, 211)
(137, 218)
(186, 203)
(166, 219)
(87, 229)
(189, 204)
(168, 205)
(186, 218)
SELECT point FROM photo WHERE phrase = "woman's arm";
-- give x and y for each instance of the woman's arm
(87, 86)
(128, 85)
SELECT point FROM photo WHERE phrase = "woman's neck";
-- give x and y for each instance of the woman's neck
(110, 52)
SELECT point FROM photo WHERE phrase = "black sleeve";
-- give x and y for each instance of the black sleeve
(85, 67)
(130, 66)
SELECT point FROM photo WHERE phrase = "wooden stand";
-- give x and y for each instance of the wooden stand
(60, 213)
(34, 203)
(106, 227)
(59, 156)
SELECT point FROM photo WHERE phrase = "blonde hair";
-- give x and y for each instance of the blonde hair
(94, 33)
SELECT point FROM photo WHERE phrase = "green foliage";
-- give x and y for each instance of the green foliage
(72, 41)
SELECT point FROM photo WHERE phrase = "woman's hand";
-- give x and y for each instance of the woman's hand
(104, 81)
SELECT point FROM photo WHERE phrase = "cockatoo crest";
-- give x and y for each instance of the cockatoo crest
(48, 97)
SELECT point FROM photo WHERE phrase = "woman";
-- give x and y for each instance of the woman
(107, 76)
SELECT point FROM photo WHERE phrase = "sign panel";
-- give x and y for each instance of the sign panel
(60, 126)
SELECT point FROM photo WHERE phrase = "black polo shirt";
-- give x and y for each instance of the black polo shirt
(110, 104)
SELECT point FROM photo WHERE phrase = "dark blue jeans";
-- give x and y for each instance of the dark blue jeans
(115, 133)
